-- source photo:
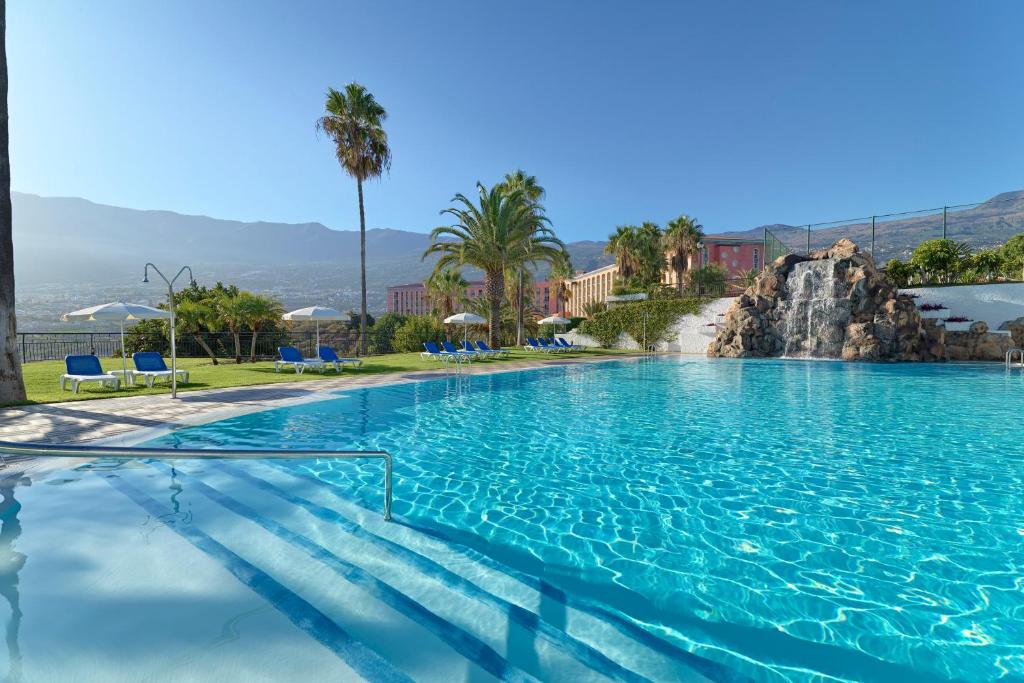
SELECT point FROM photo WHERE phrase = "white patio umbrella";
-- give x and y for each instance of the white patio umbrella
(120, 312)
(316, 313)
(464, 319)
(554, 320)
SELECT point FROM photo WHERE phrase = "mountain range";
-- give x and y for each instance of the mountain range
(71, 252)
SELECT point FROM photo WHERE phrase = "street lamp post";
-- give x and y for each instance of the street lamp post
(170, 301)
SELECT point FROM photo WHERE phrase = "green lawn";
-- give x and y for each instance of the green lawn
(42, 386)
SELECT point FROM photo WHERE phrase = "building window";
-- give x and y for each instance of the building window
(704, 257)
(757, 260)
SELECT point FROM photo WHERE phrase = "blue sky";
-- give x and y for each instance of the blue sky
(739, 113)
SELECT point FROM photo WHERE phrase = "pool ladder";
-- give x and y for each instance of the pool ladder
(132, 453)
(1019, 354)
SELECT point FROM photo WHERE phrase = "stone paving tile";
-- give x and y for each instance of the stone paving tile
(81, 421)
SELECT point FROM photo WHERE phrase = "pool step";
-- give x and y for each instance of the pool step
(433, 610)
(617, 649)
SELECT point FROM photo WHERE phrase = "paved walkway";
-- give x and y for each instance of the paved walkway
(81, 421)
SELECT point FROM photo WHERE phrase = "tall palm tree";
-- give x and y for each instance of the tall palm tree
(622, 244)
(680, 239)
(354, 121)
(444, 289)
(650, 256)
(532, 193)
(561, 274)
(493, 235)
(257, 312)
(12, 386)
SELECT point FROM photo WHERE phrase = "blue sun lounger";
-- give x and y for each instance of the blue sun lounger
(575, 347)
(498, 353)
(434, 353)
(150, 366)
(468, 355)
(328, 355)
(291, 356)
(86, 368)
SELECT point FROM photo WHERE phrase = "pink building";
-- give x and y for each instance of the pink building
(735, 254)
(412, 299)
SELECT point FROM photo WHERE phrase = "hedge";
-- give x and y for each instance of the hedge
(607, 326)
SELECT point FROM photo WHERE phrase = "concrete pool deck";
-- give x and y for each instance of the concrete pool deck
(127, 420)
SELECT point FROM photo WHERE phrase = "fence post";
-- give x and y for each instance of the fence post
(764, 248)
(944, 222)
(808, 239)
(872, 237)
(23, 358)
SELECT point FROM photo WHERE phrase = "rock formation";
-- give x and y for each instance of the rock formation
(832, 303)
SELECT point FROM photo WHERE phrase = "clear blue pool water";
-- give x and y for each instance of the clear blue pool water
(792, 520)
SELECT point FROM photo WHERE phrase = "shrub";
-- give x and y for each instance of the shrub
(931, 307)
(382, 334)
(1012, 254)
(706, 280)
(635, 319)
(900, 273)
(416, 329)
(940, 259)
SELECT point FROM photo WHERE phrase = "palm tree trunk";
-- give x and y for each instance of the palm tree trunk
(494, 287)
(12, 386)
(252, 346)
(362, 271)
(206, 347)
(519, 311)
(238, 346)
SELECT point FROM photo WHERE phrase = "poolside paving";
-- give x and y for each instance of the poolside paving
(86, 421)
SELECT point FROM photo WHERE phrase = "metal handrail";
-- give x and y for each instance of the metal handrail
(1010, 354)
(131, 453)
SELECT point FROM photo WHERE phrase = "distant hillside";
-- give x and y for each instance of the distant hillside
(70, 251)
(987, 225)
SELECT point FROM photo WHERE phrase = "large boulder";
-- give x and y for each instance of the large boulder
(831, 303)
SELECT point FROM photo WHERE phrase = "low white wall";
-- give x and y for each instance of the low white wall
(995, 304)
(690, 334)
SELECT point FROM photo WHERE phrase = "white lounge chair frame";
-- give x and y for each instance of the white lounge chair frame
(299, 365)
(149, 377)
(77, 380)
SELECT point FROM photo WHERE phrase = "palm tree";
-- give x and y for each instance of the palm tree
(194, 317)
(12, 386)
(561, 274)
(494, 236)
(680, 239)
(231, 310)
(444, 288)
(354, 121)
(532, 193)
(650, 256)
(622, 244)
(258, 311)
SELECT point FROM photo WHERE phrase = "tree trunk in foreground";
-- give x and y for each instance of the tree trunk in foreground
(12, 386)
(362, 271)
(252, 346)
(206, 347)
(494, 288)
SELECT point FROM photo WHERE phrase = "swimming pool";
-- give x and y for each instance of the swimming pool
(772, 520)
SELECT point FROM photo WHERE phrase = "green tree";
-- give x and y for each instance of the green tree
(987, 262)
(900, 273)
(445, 288)
(258, 312)
(232, 313)
(194, 318)
(12, 386)
(532, 193)
(622, 245)
(706, 280)
(493, 235)
(680, 239)
(651, 256)
(939, 259)
(558, 279)
(355, 123)
(1013, 254)
(417, 329)
(383, 331)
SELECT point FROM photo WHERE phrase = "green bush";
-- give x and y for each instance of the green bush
(900, 273)
(416, 329)
(382, 334)
(650, 319)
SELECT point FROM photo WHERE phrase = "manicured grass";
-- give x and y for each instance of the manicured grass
(42, 386)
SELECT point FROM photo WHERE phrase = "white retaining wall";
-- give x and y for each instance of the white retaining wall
(995, 304)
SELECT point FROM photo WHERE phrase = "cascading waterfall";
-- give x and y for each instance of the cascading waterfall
(814, 314)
